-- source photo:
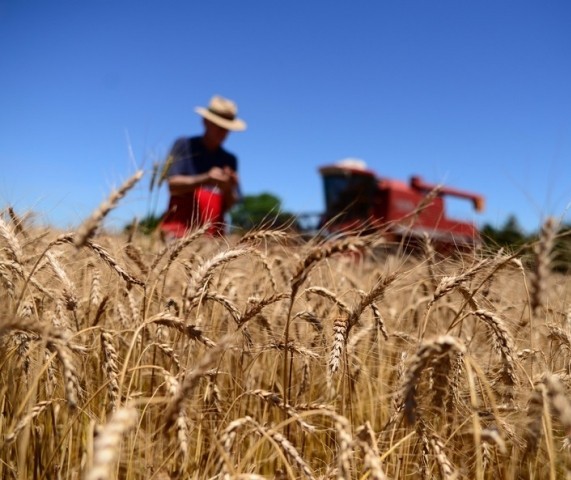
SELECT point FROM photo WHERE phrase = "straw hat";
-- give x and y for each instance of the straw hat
(222, 112)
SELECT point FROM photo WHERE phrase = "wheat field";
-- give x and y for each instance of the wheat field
(269, 356)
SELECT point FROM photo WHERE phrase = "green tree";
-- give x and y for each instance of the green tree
(509, 235)
(561, 255)
(146, 225)
(261, 211)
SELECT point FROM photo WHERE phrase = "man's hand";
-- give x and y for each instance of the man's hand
(224, 178)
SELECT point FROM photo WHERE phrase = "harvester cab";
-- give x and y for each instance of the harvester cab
(357, 199)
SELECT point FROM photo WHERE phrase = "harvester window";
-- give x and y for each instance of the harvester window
(348, 196)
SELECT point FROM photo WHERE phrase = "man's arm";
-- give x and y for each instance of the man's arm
(225, 179)
(181, 184)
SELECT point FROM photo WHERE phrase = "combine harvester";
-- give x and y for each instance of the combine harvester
(356, 199)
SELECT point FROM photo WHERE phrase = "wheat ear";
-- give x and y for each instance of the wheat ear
(447, 470)
(275, 400)
(255, 306)
(190, 381)
(227, 441)
(88, 228)
(342, 326)
(110, 368)
(107, 443)
(325, 293)
(288, 449)
(542, 253)
(27, 419)
(175, 249)
(191, 331)
(503, 341)
(421, 359)
(17, 222)
(339, 335)
(448, 284)
(365, 438)
(203, 276)
(135, 254)
(321, 252)
(108, 259)
(12, 242)
(173, 388)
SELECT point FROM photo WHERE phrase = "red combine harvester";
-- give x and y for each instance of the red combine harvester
(356, 199)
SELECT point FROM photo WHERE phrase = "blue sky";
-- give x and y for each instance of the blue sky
(475, 95)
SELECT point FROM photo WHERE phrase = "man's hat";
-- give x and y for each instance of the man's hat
(222, 112)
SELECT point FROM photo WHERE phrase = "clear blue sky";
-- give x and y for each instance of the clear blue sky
(476, 95)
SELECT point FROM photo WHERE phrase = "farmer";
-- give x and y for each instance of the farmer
(202, 176)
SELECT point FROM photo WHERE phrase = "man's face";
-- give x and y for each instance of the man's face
(214, 134)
